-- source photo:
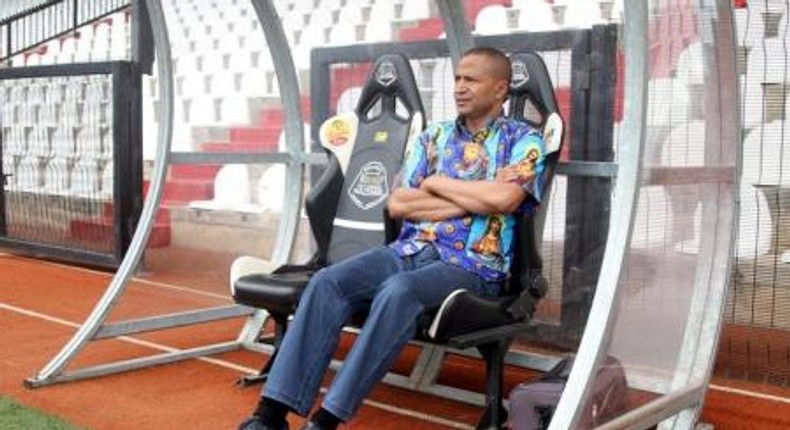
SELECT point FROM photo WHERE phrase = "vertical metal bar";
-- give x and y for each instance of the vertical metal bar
(319, 90)
(574, 313)
(459, 37)
(75, 15)
(127, 165)
(603, 312)
(9, 46)
(591, 218)
(320, 86)
(142, 38)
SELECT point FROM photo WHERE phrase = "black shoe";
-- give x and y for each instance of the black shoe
(254, 423)
(309, 425)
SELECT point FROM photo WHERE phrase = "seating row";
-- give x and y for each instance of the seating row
(61, 141)
(60, 176)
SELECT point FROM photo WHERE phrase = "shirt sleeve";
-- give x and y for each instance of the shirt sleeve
(416, 161)
(528, 158)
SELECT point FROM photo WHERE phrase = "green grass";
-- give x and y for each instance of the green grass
(14, 416)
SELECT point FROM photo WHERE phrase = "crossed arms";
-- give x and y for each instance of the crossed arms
(439, 198)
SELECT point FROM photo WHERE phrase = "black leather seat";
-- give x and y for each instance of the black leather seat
(346, 206)
(464, 320)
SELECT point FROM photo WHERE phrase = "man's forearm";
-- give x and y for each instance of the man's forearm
(482, 197)
(418, 204)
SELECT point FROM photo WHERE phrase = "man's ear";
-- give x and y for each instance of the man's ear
(502, 89)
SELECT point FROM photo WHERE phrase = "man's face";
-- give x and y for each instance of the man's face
(478, 92)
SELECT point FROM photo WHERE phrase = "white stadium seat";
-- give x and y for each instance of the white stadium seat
(766, 150)
(491, 20)
(86, 178)
(535, 16)
(231, 190)
(271, 189)
(39, 143)
(235, 110)
(767, 62)
(582, 14)
(9, 169)
(416, 9)
(57, 176)
(89, 143)
(28, 174)
(63, 142)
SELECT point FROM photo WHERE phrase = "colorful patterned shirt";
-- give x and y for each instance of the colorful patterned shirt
(482, 244)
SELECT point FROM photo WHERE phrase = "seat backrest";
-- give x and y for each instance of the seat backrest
(532, 100)
(346, 205)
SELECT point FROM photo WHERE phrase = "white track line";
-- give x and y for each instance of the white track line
(228, 365)
(747, 393)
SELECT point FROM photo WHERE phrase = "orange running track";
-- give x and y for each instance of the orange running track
(42, 303)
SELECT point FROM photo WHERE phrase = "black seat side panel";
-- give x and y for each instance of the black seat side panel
(377, 156)
(374, 165)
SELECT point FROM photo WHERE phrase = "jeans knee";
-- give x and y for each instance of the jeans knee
(321, 283)
(396, 294)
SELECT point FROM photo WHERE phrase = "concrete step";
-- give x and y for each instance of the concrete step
(194, 171)
(240, 233)
(101, 230)
(239, 147)
(162, 216)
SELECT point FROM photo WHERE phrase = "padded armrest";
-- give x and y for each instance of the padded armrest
(276, 292)
(535, 287)
(464, 312)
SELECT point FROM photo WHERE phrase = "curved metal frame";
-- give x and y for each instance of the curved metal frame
(680, 405)
(599, 322)
(94, 328)
(132, 258)
(293, 120)
(459, 37)
(702, 328)
(294, 138)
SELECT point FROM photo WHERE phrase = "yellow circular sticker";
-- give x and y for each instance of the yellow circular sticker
(338, 132)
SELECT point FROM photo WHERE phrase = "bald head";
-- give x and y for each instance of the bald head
(496, 61)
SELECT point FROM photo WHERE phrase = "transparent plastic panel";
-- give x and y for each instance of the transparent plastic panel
(755, 316)
(58, 145)
(673, 268)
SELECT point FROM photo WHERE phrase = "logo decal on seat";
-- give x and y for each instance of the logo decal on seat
(385, 75)
(370, 186)
(520, 74)
(338, 132)
(380, 137)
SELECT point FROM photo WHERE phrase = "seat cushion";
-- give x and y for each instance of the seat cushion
(275, 292)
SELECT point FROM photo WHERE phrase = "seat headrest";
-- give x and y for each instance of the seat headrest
(390, 79)
(531, 82)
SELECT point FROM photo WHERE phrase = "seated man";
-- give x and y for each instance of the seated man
(462, 183)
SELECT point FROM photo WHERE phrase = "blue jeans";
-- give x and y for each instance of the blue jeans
(395, 290)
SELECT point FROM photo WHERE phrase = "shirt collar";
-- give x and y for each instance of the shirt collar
(492, 124)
